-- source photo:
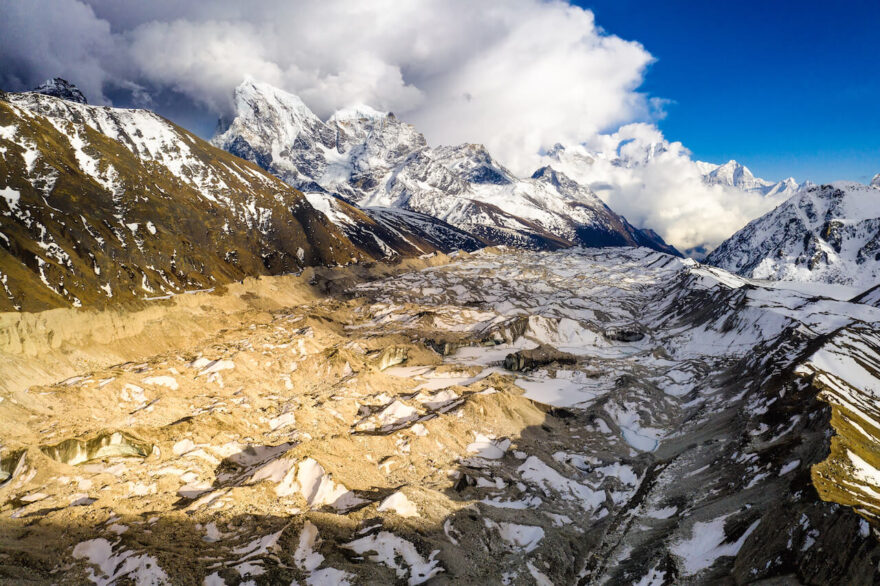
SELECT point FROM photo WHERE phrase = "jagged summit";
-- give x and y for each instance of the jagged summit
(378, 161)
(61, 88)
(474, 164)
(876, 180)
(357, 112)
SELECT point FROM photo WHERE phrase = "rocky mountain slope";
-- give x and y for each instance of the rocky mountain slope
(99, 205)
(827, 233)
(585, 416)
(374, 160)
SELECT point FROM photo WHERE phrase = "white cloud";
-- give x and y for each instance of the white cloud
(655, 183)
(513, 74)
(516, 75)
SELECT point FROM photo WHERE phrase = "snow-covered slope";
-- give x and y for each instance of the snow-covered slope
(376, 161)
(827, 233)
(99, 205)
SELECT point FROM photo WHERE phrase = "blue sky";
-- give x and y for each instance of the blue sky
(786, 88)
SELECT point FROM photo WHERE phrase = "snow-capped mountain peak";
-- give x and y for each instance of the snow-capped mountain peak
(61, 88)
(474, 164)
(734, 174)
(251, 94)
(269, 120)
(876, 180)
(737, 175)
(558, 179)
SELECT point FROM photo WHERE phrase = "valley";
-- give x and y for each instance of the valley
(582, 416)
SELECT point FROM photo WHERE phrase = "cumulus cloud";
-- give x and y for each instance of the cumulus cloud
(655, 183)
(516, 75)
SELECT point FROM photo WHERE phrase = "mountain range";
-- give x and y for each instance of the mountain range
(578, 162)
(372, 159)
(571, 408)
(105, 204)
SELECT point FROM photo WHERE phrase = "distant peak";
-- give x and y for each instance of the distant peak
(876, 180)
(254, 96)
(61, 88)
(556, 150)
(735, 166)
(545, 171)
(357, 112)
(253, 87)
(556, 178)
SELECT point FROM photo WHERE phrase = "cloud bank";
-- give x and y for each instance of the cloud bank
(515, 75)
(656, 183)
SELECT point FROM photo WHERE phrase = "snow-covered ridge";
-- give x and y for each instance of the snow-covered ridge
(374, 160)
(828, 233)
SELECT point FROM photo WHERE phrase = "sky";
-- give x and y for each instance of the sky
(786, 92)
(789, 89)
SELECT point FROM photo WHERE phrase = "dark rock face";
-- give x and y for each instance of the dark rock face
(61, 88)
(536, 357)
(624, 334)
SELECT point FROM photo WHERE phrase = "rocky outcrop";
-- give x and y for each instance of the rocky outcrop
(61, 88)
(543, 355)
